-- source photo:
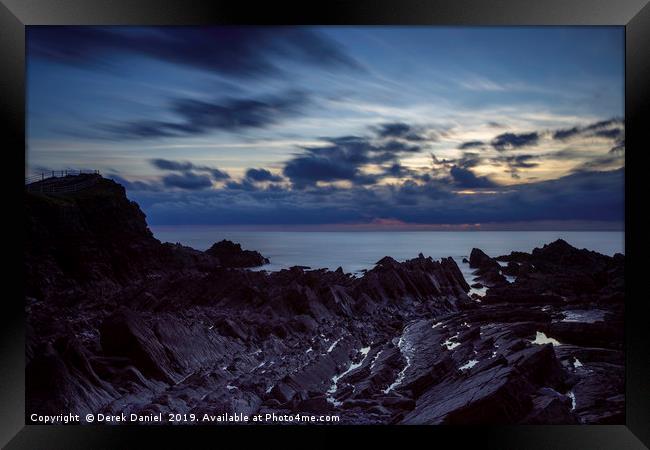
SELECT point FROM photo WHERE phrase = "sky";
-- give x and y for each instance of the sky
(378, 127)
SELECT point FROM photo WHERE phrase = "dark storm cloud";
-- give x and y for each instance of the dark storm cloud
(587, 195)
(424, 195)
(566, 133)
(343, 159)
(216, 173)
(471, 144)
(400, 130)
(566, 154)
(593, 162)
(520, 161)
(366, 179)
(307, 170)
(197, 117)
(399, 147)
(235, 114)
(166, 164)
(619, 146)
(508, 141)
(517, 162)
(187, 167)
(603, 124)
(441, 168)
(607, 129)
(141, 129)
(613, 133)
(262, 175)
(611, 129)
(187, 180)
(465, 178)
(244, 185)
(398, 171)
(468, 160)
(226, 50)
(581, 196)
(598, 164)
(394, 129)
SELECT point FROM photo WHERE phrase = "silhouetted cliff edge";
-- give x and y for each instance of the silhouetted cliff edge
(96, 239)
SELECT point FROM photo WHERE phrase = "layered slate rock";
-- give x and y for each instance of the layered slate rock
(119, 322)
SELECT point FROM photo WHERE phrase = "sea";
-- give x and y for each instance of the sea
(355, 251)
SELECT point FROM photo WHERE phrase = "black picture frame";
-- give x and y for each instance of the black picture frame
(634, 15)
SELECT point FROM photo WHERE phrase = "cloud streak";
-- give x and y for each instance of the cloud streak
(248, 52)
(509, 141)
(198, 117)
(613, 129)
(185, 166)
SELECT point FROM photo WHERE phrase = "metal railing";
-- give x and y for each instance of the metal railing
(58, 174)
(57, 181)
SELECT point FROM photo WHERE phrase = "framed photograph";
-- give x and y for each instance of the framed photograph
(373, 218)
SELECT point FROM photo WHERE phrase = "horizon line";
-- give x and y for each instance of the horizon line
(390, 226)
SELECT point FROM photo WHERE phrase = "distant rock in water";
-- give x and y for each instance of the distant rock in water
(231, 254)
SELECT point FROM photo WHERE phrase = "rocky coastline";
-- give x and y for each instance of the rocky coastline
(120, 323)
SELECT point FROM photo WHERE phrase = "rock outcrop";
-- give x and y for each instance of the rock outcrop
(232, 255)
(94, 240)
(488, 270)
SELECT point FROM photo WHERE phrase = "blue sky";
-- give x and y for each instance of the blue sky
(337, 126)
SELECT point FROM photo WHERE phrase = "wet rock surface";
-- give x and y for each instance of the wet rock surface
(119, 322)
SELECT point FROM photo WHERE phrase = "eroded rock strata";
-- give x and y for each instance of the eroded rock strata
(121, 323)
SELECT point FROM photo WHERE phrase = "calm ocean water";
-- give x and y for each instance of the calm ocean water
(358, 250)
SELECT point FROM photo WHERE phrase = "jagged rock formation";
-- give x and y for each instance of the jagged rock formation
(488, 270)
(119, 322)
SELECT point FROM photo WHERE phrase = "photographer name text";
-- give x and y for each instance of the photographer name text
(181, 418)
